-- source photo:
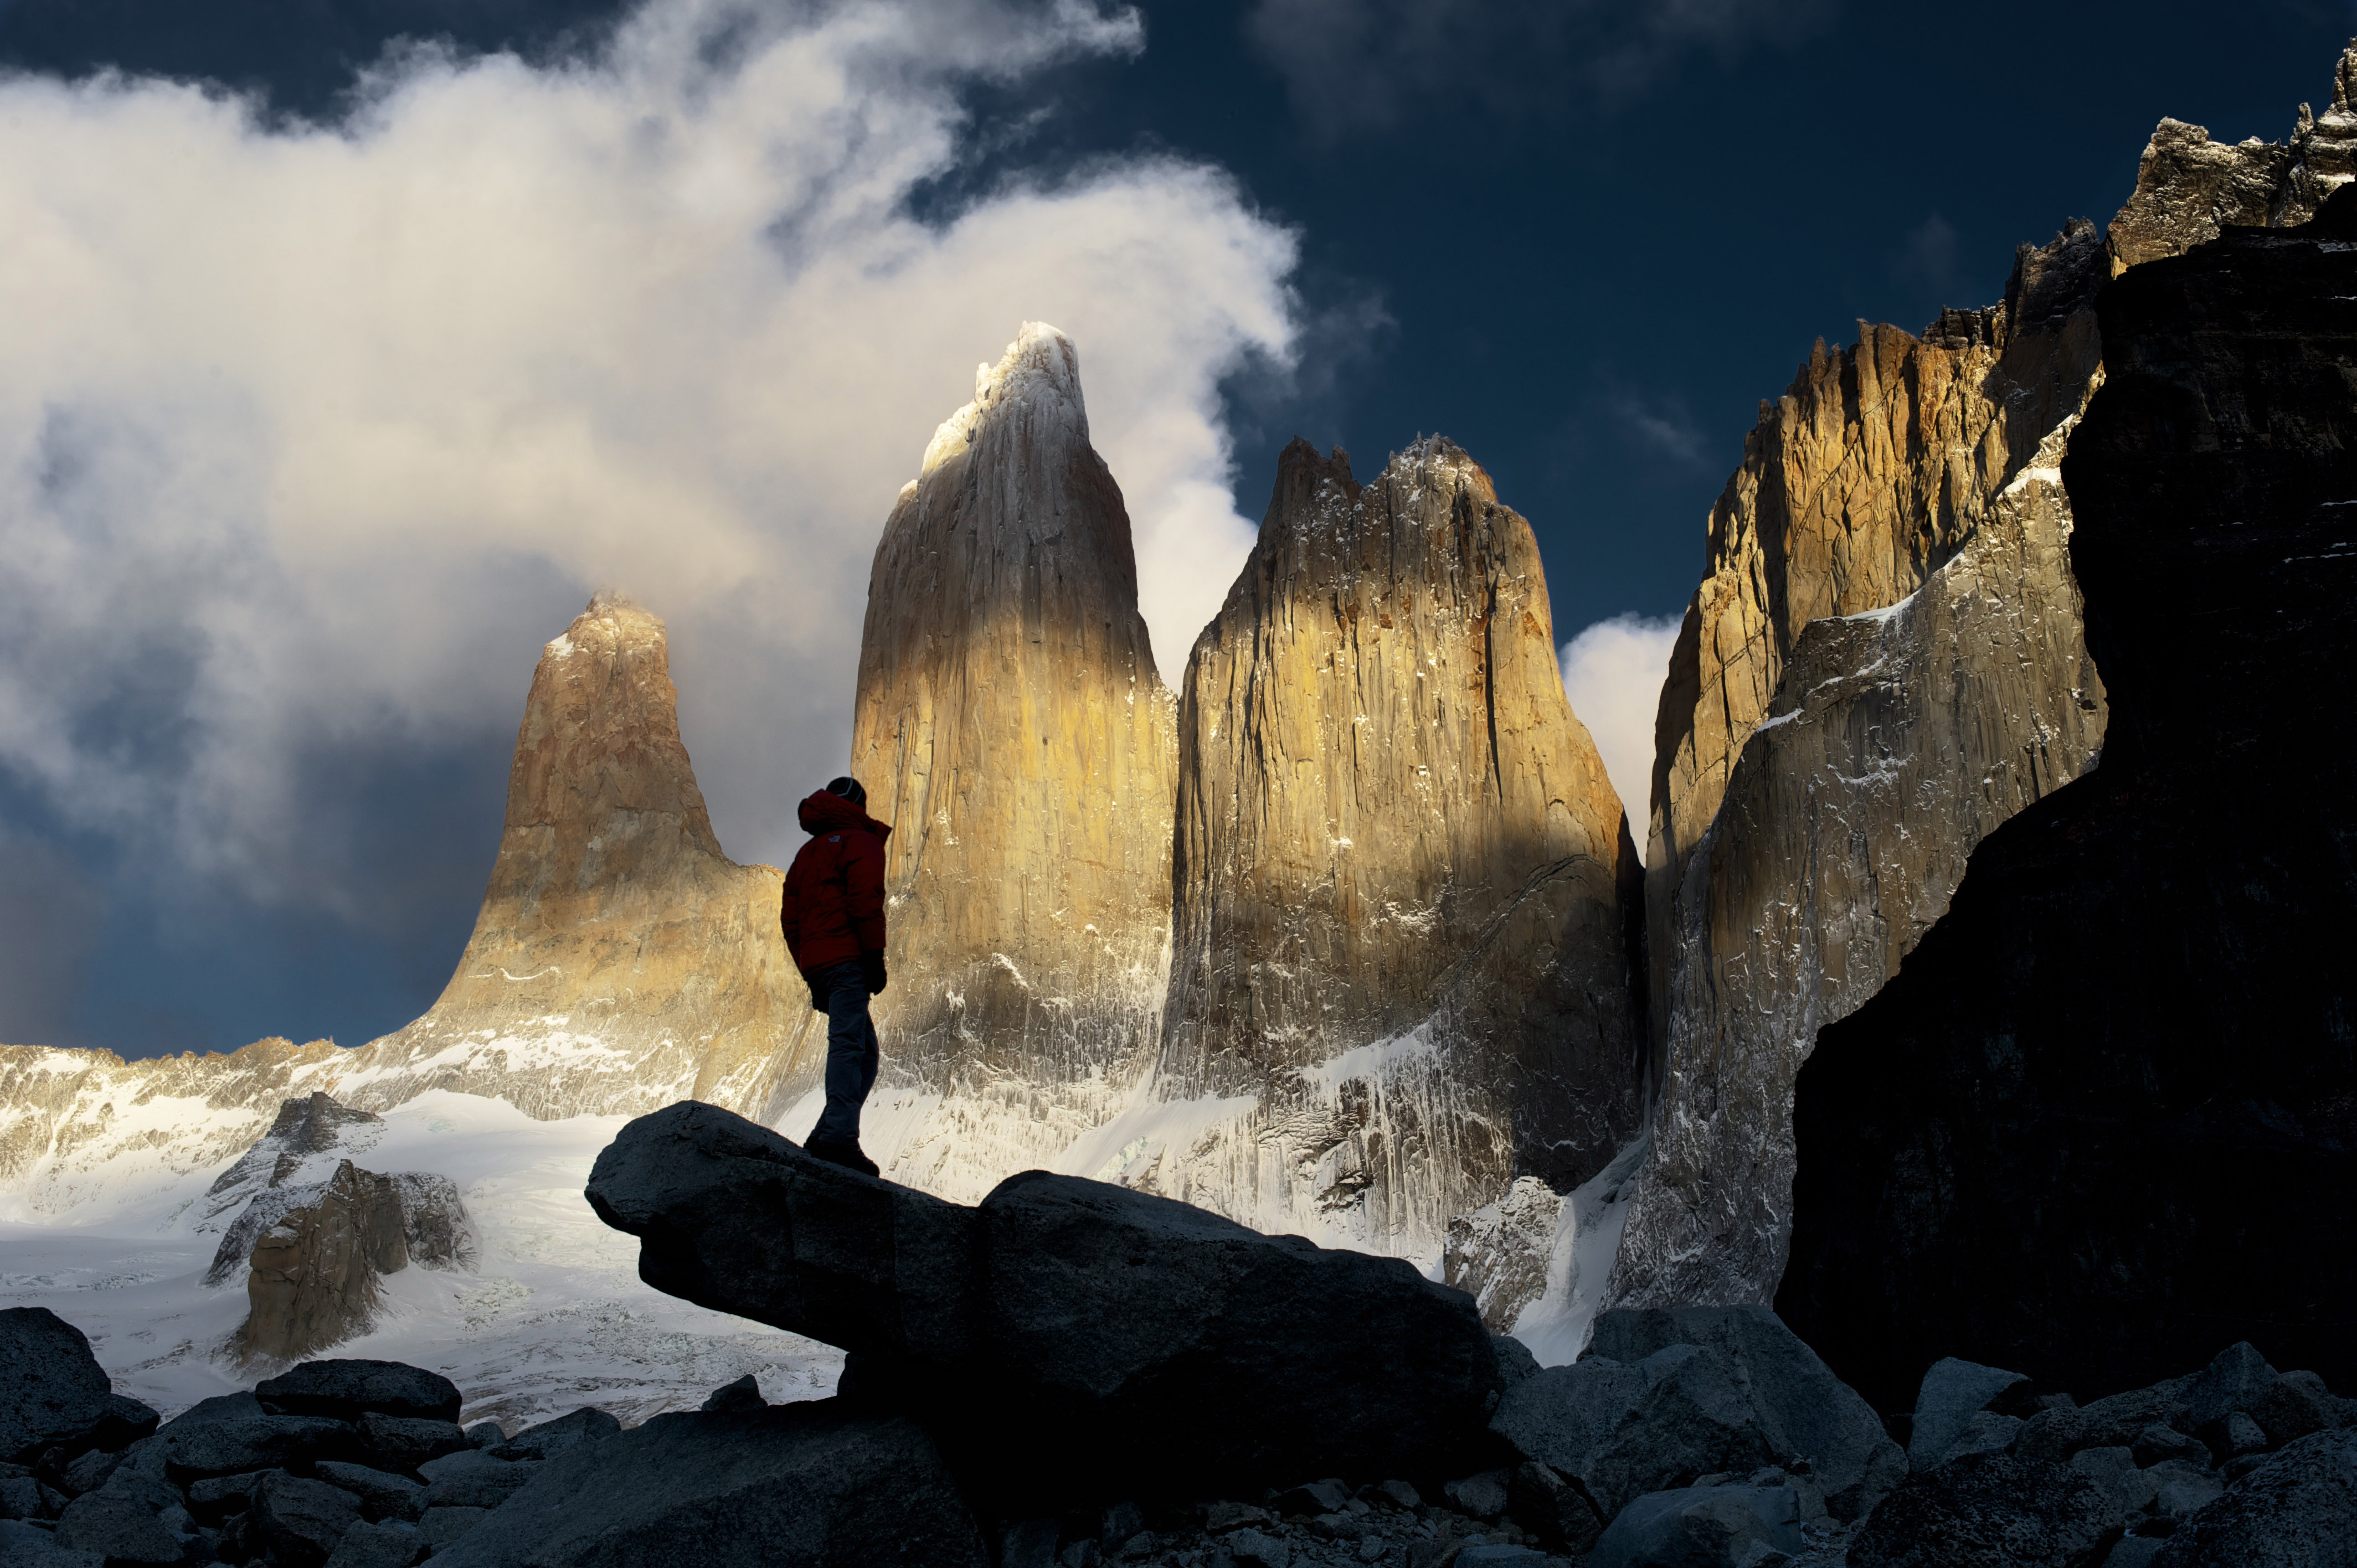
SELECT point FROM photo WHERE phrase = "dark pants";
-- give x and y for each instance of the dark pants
(850, 1051)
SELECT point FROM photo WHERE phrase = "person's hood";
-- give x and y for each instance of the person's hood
(826, 812)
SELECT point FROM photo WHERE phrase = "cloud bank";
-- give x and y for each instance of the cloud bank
(310, 435)
(1612, 672)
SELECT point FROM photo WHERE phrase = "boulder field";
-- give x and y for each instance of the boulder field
(1069, 1374)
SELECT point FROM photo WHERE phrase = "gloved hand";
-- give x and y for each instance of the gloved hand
(818, 1003)
(871, 965)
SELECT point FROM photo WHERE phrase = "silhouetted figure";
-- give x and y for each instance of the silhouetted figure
(834, 922)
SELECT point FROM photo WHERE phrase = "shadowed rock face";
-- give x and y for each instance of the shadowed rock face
(1012, 730)
(2101, 1118)
(1885, 664)
(1060, 1311)
(1394, 839)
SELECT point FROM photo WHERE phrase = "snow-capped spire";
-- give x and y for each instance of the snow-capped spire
(1040, 375)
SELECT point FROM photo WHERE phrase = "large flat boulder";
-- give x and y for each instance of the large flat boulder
(799, 1484)
(1066, 1309)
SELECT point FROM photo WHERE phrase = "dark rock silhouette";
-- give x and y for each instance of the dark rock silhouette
(52, 1389)
(2106, 1114)
(817, 1482)
(1060, 1309)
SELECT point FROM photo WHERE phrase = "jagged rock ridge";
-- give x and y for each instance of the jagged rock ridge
(1404, 885)
(1889, 644)
(1012, 728)
(2103, 1114)
(1920, 674)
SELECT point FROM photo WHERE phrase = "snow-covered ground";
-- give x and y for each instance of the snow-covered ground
(552, 1317)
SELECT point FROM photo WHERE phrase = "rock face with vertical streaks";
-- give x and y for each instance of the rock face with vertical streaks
(1404, 886)
(1885, 663)
(1924, 676)
(1012, 728)
(2106, 1114)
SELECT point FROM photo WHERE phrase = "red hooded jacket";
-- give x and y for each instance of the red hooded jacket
(833, 906)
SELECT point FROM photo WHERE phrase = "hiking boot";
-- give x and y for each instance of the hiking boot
(835, 1152)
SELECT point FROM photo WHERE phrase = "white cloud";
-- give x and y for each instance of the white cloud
(1612, 672)
(310, 435)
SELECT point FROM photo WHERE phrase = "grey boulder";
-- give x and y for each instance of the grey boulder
(550, 1438)
(1483, 1496)
(442, 1526)
(1558, 1511)
(387, 1545)
(135, 1518)
(812, 1483)
(382, 1495)
(2297, 1511)
(52, 1389)
(238, 1406)
(403, 1443)
(1989, 1510)
(474, 1479)
(25, 1546)
(1805, 1410)
(346, 1390)
(1952, 1395)
(1059, 1309)
(1620, 1432)
(2116, 1421)
(1701, 1527)
(744, 1395)
(301, 1521)
(255, 1442)
(2236, 1379)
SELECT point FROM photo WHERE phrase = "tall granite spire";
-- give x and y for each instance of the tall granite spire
(1406, 889)
(1012, 730)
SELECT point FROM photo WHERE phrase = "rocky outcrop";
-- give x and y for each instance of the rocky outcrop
(1887, 662)
(315, 1255)
(815, 1482)
(1698, 1437)
(1060, 1310)
(1405, 892)
(53, 1393)
(2190, 187)
(1012, 730)
(2102, 1116)
(619, 962)
(1884, 664)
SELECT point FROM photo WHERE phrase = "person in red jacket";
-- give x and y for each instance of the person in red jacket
(834, 920)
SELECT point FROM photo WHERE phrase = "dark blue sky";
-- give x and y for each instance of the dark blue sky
(1584, 250)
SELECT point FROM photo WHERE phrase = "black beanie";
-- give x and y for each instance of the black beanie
(848, 787)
